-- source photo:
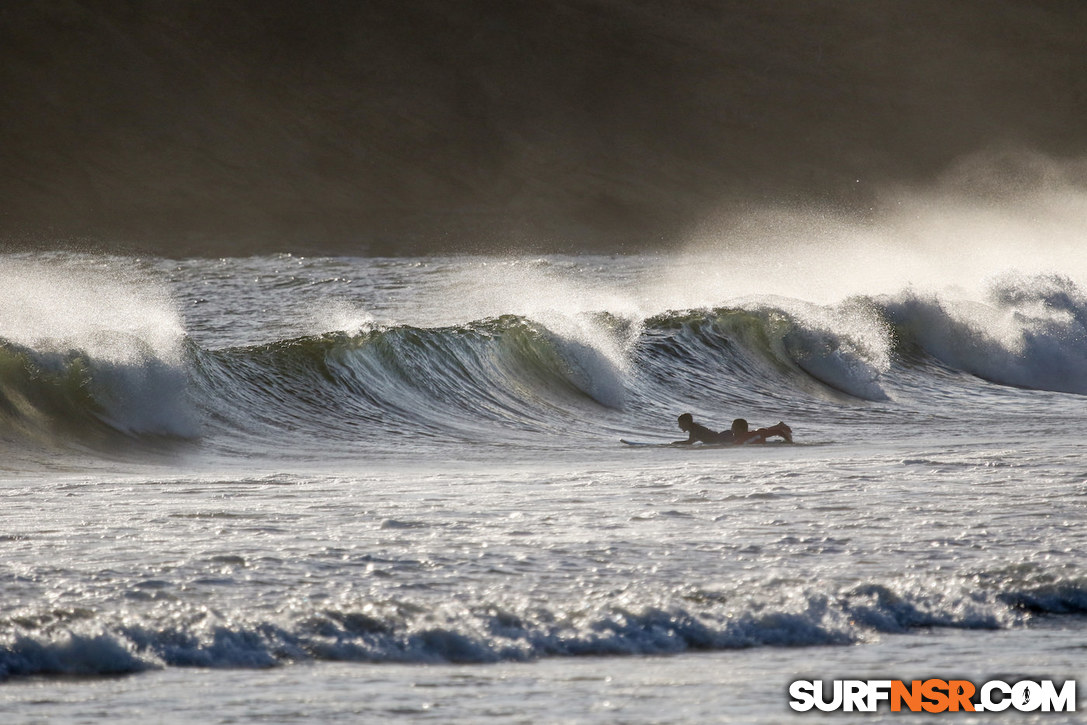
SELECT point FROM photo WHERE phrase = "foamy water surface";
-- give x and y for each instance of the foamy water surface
(345, 488)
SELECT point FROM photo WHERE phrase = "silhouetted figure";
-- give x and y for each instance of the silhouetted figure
(738, 434)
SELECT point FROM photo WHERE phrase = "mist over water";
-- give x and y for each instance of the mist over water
(993, 215)
(111, 308)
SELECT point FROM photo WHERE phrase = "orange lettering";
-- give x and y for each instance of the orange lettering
(934, 690)
(960, 692)
(911, 695)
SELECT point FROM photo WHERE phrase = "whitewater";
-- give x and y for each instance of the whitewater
(343, 488)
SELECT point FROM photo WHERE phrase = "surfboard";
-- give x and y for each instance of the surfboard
(646, 444)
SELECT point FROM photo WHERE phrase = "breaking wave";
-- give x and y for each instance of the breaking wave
(467, 381)
(134, 374)
(79, 642)
(1029, 332)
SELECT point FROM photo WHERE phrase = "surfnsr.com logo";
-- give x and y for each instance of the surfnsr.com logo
(932, 695)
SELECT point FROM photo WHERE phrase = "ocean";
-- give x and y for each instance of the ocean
(349, 489)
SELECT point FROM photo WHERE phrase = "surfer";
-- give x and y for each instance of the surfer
(739, 432)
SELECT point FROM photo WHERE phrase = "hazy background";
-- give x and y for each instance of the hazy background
(409, 126)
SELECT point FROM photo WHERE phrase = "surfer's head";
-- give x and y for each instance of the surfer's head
(739, 427)
(685, 421)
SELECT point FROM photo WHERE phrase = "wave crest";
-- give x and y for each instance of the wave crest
(411, 632)
(1030, 332)
(514, 379)
(44, 395)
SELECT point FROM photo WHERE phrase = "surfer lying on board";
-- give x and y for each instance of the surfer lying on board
(737, 435)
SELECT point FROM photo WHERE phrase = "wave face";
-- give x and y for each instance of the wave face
(123, 368)
(509, 377)
(89, 356)
(1030, 332)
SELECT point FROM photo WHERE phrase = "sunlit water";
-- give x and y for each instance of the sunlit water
(292, 488)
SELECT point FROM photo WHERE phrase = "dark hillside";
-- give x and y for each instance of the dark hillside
(393, 126)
